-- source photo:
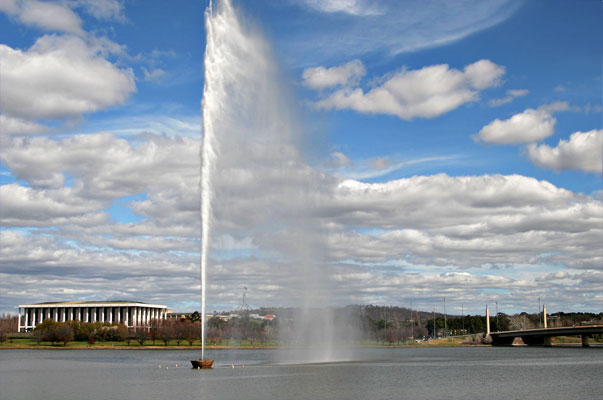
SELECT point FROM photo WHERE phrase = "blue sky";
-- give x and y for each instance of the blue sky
(462, 145)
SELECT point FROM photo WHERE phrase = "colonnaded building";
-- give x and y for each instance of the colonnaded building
(133, 314)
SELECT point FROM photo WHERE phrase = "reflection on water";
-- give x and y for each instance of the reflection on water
(417, 373)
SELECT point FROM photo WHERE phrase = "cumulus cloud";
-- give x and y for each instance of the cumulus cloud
(511, 95)
(321, 77)
(531, 125)
(45, 15)
(17, 126)
(468, 221)
(583, 152)
(382, 241)
(60, 77)
(427, 92)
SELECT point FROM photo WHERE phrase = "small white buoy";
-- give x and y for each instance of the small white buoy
(198, 367)
(176, 365)
(233, 365)
(243, 366)
(159, 366)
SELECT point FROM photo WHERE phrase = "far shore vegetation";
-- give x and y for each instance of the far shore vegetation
(378, 327)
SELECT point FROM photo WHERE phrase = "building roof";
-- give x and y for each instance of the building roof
(92, 303)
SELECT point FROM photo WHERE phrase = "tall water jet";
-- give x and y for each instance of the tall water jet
(207, 160)
(255, 185)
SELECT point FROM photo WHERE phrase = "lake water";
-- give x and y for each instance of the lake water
(408, 373)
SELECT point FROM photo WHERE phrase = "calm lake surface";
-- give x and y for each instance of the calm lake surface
(409, 373)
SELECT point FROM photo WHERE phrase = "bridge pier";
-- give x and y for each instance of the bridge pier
(585, 341)
(536, 340)
(502, 341)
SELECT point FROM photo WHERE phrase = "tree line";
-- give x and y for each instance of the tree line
(374, 323)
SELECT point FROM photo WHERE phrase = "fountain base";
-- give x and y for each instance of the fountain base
(204, 364)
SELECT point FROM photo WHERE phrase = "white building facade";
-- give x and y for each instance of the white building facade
(132, 314)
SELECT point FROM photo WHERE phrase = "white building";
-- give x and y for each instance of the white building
(133, 314)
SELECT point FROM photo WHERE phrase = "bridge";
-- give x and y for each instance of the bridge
(542, 337)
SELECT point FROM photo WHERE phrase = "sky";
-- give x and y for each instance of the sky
(441, 149)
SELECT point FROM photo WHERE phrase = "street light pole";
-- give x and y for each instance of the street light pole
(445, 324)
(539, 317)
(412, 330)
(434, 325)
(463, 318)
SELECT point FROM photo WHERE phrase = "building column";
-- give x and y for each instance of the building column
(127, 317)
(134, 316)
(19, 320)
(26, 318)
(92, 314)
(39, 316)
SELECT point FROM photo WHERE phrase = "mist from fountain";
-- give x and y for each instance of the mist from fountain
(255, 181)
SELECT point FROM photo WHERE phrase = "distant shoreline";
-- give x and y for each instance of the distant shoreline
(28, 344)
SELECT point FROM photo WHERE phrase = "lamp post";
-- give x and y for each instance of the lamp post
(412, 330)
(463, 318)
(434, 325)
(445, 324)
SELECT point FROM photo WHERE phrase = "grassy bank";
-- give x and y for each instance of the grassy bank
(29, 343)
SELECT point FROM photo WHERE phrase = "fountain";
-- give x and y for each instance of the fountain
(253, 168)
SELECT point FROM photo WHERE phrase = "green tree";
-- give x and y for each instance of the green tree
(65, 334)
(195, 317)
(47, 331)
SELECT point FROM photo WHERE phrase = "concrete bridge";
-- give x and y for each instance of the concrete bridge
(542, 337)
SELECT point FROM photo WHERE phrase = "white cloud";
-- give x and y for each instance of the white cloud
(466, 221)
(511, 95)
(103, 9)
(529, 126)
(340, 160)
(22, 206)
(60, 77)
(16, 126)
(583, 152)
(352, 7)
(357, 27)
(321, 77)
(427, 92)
(153, 76)
(380, 163)
(45, 15)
